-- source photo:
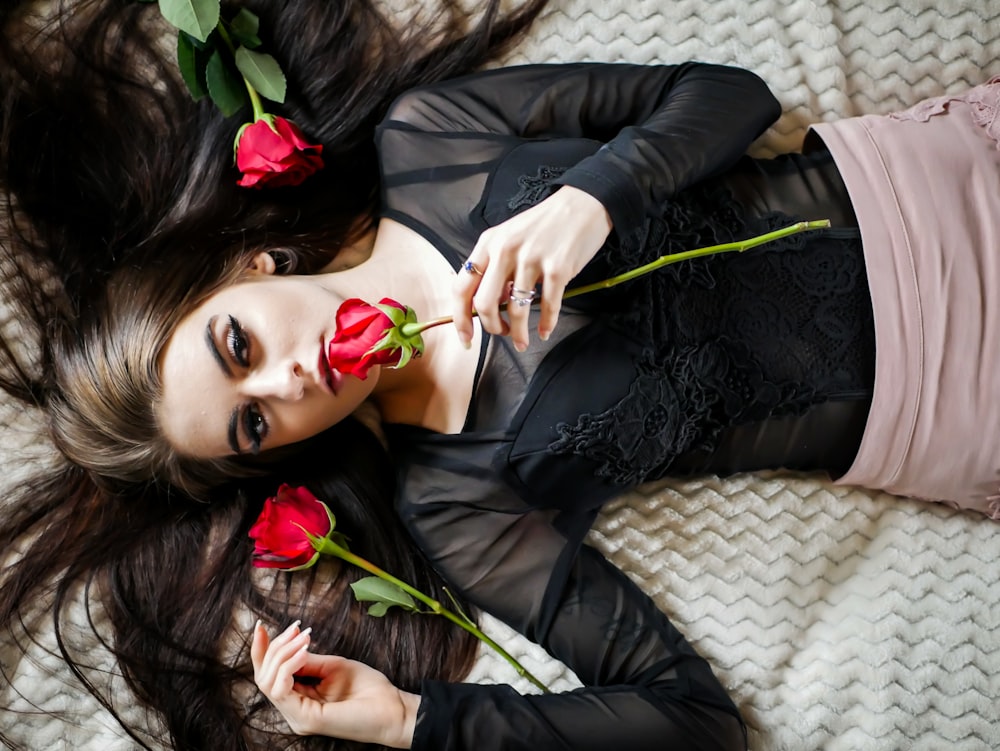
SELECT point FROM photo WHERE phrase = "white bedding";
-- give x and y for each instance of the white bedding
(839, 619)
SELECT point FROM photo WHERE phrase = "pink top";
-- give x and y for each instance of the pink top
(925, 184)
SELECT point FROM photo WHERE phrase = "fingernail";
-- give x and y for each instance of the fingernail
(466, 341)
(293, 625)
(520, 347)
(306, 631)
(256, 625)
(544, 335)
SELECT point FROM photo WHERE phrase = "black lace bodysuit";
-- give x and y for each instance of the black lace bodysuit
(733, 362)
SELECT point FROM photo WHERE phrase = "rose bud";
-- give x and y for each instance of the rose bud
(282, 532)
(273, 152)
(369, 335)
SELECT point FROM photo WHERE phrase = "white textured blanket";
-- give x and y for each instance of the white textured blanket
(839, 619)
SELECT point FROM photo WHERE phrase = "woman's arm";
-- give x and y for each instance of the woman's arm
(644, 686)
(663, 128)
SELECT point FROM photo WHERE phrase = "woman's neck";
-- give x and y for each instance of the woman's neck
(432, 391)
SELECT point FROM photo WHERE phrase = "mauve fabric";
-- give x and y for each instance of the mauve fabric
(925, 185)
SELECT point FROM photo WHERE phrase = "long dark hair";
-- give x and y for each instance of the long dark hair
(110, 169)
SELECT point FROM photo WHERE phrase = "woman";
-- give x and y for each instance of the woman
(239, 372)
(737, 363)
(678, 694)
(735, 384)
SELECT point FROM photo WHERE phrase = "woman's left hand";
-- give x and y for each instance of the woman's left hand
(328, 695)
(548, 244)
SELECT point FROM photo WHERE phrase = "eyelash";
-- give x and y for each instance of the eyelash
(255, 426)
(238, 345)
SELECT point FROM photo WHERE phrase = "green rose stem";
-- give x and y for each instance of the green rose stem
(739, 246)
(415, 329)
(258, 106)
(329, 547)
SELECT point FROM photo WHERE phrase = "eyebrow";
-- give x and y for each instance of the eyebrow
(234, 418)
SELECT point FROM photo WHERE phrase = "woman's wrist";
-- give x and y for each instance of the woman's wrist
(581, 200)
(409, 707)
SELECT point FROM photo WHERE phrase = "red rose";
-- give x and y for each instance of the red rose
(360, 328)
(275, 156)
(279, 534)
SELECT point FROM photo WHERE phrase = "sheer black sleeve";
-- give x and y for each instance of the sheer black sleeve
(663, 128)
(644, 686)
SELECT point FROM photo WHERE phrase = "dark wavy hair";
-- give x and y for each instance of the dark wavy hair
(117, 186)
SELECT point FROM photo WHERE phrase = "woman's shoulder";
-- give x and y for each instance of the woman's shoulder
(432, 105)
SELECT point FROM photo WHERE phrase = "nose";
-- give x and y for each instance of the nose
(283, 381)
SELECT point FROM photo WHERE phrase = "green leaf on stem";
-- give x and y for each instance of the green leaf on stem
(263, 73)
(196, 17)
(244, 28)
(226, 90)
(339, 538)
(384, 594)
(192, 61)
(332, 538)
(394, 314)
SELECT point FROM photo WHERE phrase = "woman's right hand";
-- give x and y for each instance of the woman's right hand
(341, 698)
(547, 244)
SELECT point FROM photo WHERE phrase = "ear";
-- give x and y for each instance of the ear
(262, 263)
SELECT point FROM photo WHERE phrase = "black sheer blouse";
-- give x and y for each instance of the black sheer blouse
(502, 508)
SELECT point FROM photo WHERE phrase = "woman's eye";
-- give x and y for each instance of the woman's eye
(256, 427)
(237, 344)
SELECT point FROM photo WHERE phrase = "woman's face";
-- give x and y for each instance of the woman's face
(247, 371)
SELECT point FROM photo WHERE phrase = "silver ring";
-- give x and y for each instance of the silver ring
(471, 268)
(521, 297)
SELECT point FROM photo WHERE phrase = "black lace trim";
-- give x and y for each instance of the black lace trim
(731, 338)
(679, 402)
(535, 187)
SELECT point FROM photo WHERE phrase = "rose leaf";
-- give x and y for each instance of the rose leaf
(263, 73)
(223, 87)
(191, 62)
(196, 17)
(244, 28)
(374, 589)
